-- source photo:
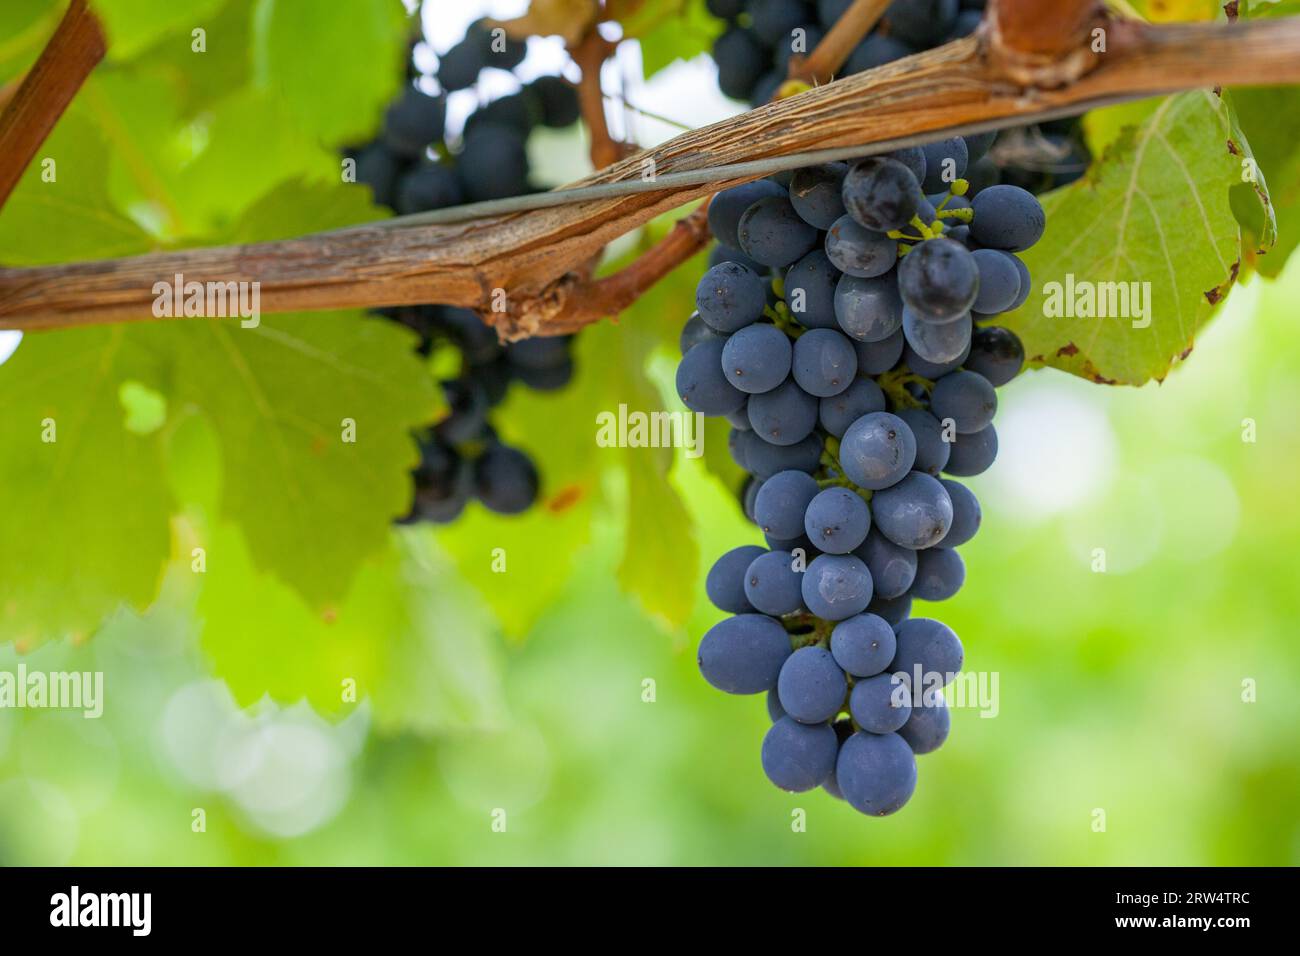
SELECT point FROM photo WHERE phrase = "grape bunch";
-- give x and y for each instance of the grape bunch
(846, 330)
(753, 52)
(413, 166)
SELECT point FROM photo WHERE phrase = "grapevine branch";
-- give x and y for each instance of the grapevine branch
(539, 256)
(590, 55)
(31, 110)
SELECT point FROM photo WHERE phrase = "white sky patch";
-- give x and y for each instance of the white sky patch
(9, 344)
(1056, 449)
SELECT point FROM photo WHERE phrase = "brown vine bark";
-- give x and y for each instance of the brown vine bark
(45, 92)
(539, 257)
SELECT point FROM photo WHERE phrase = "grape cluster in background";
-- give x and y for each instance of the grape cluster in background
(412, 167)
(846, 331)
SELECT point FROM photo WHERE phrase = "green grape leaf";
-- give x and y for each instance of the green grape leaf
(25, 26)
(1150, 224)
(200, 80)
(1270, 121)
(668, 32)
(134, 25)
(407, 636)
(333, 74)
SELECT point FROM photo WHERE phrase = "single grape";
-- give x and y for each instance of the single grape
(413, 122)
(443, 483)
(858, 251)
(996, 353)
(874, 358)
(836, 586)
(931, 449)
(720, 254)
(736, 447)
(774, 709)
(863, 645)
(696, 331)
(505, 480)
(937, 343)
(744, 654)
(928, 648)
(741, 59)
(881, 194)
(815, 193)
(772, 585)
(379, 168)
(730, 297)
(938, 280)
(927, 728)
(999, 286)
(810, 286)
(467, 412)
(757, 358)
(1026, 283)
(539, 352)
(460, 66)
(877, 451)
(701, 383)
(966, 514)
(725, 584)
(811, 685)
(868, 310)
(940, 573)
(977, 144)
(824, 362)
(915, 513)
(837, 412)
(1007, 217)
(784, 416)
(493, 163)
(726, 207)
(972, 454)
(782, 501)
(427, 186)
(876, 50)
(945, 163)
(893, 610)
(797, 757)
(774, 19)
(557, 101)
(967, 398)
(892, 567)
(913, 157)
(876, 773)
(881, 704)
(773, 233)
(837, 520)
(933, 370)
(764, 459)
(749, 495)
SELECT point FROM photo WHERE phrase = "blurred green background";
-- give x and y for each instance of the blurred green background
(552, 714)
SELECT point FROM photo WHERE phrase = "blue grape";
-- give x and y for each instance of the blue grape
(877, 451)
(1026, 283)
(945, 163)
(784, 416)
(721, 253)
(800, 544)
(1007, 217)
(772, 585)
(773, 233)
(996, 353)
(913, 157)
(774, 709)
(881, 704)
(811, 685)
(881, 194)
(927, 728)
(938, 280)
(798, 757)
(824, 362)
(505, 480)
(726, 208)
(934, 370)
(868, 310)
(837, 412)
(863, 645)
(892, 567)
(893, 610)
(858, 251)
(967, 399)
(749, 495)
(940, 573)
(931, 449)
(915, 513)
(782, 501)
(876, 50)
(837, 520)
(876, 773)
(977, 144)
(764, 459)
(815, 193)
(740, 57)
(773, 20)
(966, 514)
(810, 290)
(972, 454)
(875, 358)
(701, 383)
(730, 297)
(999, 286)
(843, 729)
(739, 419)
(736, 447)
(836, 586)
(725, 584)
(927, 647)
(757, 358)
(935, 342)
(744, 654)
